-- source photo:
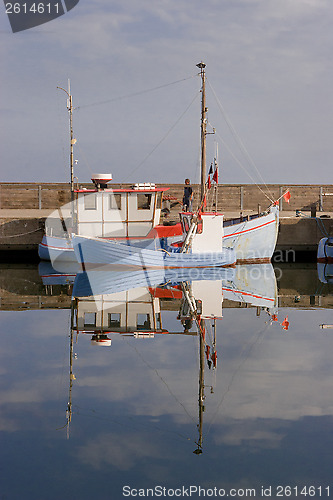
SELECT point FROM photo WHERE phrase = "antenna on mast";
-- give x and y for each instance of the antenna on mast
(72, 140)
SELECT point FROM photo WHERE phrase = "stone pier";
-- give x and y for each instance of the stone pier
(25, 206)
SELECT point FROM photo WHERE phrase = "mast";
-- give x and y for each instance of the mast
(216, 164)
(71, 158)
(201, 398)
(202, 67)
(72, 140)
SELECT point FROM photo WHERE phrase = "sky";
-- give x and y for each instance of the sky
(136, 91)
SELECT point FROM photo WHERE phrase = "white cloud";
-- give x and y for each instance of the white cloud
(113, 449)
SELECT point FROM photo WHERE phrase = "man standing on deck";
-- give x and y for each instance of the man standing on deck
(188, 195)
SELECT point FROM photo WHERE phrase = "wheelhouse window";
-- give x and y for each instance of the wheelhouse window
(144, 201)
(114, 320)
(90, 202)
(159, 200)
(158, 321)
(115, 201)
(143, 322)
(89, 319)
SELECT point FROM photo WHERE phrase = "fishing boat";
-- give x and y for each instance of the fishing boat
(200, 249)
(134, 213)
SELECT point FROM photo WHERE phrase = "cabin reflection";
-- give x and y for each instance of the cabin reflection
(135, 312)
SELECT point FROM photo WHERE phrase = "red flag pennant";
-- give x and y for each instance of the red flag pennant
(287, 196)
(285, 323)
(205, 201)
(216, 176)
(209, 182)
(214, 358)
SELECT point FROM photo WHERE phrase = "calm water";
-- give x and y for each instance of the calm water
(134, 410)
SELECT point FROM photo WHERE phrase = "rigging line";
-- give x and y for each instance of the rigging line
(134, 94)
(237, 137)
(164, 382)
(238, 140)
(245, 170)
(163, 138)
(259, 337)
(133, 422)
(84, 156)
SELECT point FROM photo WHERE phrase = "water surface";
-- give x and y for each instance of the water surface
(129, 414)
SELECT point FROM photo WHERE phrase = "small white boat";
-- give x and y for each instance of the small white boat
(325, 250)
(325, 272)
(201, 249)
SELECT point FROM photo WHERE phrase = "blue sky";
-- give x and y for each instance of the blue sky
(268, 62)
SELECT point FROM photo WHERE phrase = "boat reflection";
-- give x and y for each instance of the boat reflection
(325, 272)
(128, 302)
(106, 303)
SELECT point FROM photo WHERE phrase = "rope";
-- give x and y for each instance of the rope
(163, 138)
(237, 369)
(241, 146)
(114, 99)
(84, 157)
(21, 234)
(163, 381)
(245, 170)
(319, 222)
(321, 227)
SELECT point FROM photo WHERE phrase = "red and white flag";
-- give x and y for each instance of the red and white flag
(216, 176)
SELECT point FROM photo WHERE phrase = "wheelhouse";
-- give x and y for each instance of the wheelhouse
(118, 213)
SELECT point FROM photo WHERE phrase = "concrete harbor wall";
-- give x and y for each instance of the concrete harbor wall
(230, 197)
(25, 206)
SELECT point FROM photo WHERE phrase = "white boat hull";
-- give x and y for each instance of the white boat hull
(253, 284)
(99, 282)
(253, 240)
(325, 250)
(92, 252)
(56, 249)
(325, 272)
